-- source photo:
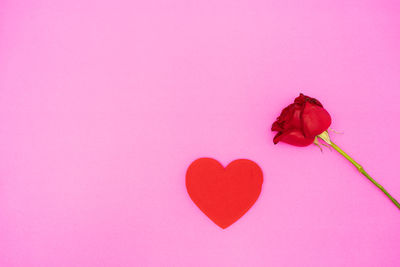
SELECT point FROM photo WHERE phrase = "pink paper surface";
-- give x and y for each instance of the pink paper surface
(104, 105)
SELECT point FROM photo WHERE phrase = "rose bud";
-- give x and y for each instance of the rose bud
(300, 122)
(303, 122)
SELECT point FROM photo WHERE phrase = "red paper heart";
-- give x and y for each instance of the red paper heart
(224, 194)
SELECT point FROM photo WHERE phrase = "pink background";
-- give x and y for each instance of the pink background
(104, 104)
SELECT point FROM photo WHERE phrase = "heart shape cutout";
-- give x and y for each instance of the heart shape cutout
(224, 194)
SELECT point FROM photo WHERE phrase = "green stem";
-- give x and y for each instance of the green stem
(361, 169)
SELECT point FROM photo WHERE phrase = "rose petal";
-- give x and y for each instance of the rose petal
(295, 121)
(302, 99)
(315, 120)
(293, 137)
(289, 119)
(276, 127)
(286, 114)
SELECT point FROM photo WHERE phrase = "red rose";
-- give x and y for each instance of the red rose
(306, 120)
(300, 122)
